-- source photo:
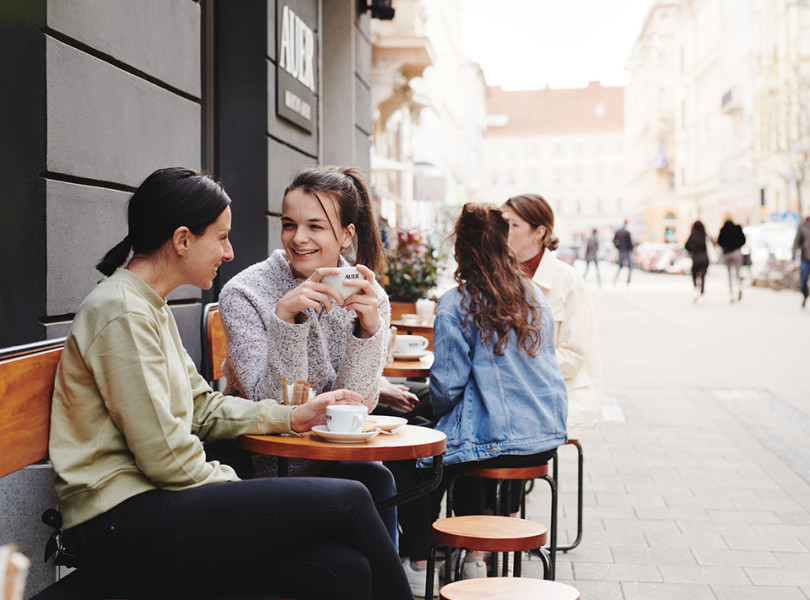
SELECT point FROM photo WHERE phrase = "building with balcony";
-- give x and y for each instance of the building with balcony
(782, 46)
(427, 116)
(567, 145)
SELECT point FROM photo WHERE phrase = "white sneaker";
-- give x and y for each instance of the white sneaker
(475, 569)
(417, 578)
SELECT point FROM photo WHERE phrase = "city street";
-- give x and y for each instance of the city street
(698, 483)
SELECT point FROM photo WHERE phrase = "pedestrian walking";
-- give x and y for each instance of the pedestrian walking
(697, 248)
(624, 244)
(591, 250)
(802, 242)
(731, 238)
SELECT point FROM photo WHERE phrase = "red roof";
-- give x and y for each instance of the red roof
(593, 109)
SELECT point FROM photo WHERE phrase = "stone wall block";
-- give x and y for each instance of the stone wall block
(158, 37)
(109, 125)
(24, 496)
(83, 222)
(284, 162)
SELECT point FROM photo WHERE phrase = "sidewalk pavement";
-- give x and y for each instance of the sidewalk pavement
(698, 483)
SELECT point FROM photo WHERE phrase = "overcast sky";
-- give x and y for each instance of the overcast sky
(525, 44)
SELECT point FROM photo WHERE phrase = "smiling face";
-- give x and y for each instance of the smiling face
(208, 251)
(526, 241)
(311, 237)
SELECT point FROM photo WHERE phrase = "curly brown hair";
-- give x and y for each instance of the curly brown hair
(494, 290)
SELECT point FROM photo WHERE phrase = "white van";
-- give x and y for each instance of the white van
(767, 242)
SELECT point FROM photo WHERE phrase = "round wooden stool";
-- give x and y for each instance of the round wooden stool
(501, 474)
(508, 588)
(485, 533)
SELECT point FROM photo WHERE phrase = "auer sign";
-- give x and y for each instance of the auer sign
(296, 78)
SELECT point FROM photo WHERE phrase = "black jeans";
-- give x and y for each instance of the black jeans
(309, 538)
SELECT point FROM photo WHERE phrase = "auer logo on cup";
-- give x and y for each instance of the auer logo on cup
(352, 276)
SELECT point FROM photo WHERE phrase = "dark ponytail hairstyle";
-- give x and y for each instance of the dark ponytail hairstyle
(349, 189)
(534, 209)
(167, 199)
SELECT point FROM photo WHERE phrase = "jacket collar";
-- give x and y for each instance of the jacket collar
(544, 275)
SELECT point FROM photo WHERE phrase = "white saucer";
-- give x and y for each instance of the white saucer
(343, 438)
(415, 356)
(387, 423)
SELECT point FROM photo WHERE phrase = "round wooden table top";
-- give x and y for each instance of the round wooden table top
(409, 368)
(406, 442)
(508, 588)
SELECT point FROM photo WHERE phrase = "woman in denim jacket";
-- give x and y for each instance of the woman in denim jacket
(496, 388)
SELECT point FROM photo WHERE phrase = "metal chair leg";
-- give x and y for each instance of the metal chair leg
(552, 551)
(431, 568)
(580, 478)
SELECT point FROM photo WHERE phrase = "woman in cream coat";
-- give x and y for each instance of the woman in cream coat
(531, 225)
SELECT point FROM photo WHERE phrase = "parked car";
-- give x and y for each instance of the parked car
(647, 254)
(765, 244)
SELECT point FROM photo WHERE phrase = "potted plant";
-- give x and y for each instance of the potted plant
(412, 265)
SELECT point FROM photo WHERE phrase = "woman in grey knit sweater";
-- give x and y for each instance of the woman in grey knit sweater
(281, 320)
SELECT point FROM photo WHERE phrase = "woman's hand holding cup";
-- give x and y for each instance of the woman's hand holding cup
(305, 416)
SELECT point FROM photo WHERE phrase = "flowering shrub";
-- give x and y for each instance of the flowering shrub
(412, 266)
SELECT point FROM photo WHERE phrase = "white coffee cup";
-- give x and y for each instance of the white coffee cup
(346, 418)
(425, 309)
(410, 344)
(346, 274)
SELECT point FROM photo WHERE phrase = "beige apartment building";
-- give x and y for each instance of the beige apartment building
(718, 114)
(428, 116)
(782, 45)
(566, 145)
(690, 117)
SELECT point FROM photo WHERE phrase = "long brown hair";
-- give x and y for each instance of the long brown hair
(494, 289)
(348, 188)
(534, 209)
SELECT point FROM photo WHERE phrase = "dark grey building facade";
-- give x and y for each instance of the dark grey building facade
(96, 94)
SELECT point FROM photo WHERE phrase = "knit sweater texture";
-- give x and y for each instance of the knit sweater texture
(320, 347)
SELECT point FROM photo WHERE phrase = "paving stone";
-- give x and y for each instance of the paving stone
(652, 556)
(682, 540)
(703, 574)
(605, 499)
(597, 590)
(672, 512)
(776, 542)
(778, 576)
(796, 560)
(744, 516)
(616, 572)
(666, 591)
(721, 528)
(588, 551)
(740, 592)
(740, 558)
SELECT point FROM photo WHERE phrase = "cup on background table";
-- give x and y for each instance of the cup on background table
(425, 309)
(410, 344)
